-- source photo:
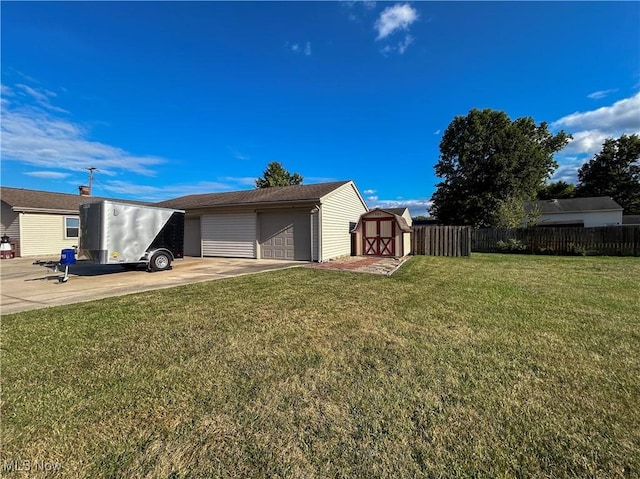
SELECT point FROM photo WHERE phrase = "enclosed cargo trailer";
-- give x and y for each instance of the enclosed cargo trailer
(112, 232)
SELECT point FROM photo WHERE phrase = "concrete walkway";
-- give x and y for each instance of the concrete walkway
(24, 286)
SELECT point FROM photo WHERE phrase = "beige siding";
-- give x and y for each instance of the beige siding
(340, 209)
(407, 243)
(43, 234)
(407, 216)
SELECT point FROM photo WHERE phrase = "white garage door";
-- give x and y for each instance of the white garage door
(285, 235)
(231, 235)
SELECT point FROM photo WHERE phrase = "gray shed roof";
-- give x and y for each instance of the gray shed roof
(275, 195)
(573, 205)
(396, 211)
(21, 199)
(402, 223)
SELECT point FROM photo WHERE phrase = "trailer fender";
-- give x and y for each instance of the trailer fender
(159, 260)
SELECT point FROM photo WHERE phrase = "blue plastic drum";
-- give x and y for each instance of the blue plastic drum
(68, 256)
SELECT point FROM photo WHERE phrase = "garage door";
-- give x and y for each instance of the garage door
(285, 235)
(231, 235)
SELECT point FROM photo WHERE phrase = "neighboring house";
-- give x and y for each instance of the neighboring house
(300, 222)
(587, 212)
(40, 223)
(383, 232)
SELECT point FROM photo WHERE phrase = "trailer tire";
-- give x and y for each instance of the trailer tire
(160, 261)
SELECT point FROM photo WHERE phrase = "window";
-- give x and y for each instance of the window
(71, 227)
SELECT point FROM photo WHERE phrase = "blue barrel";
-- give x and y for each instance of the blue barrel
(68, 256)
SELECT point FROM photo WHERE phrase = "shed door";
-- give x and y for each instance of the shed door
(285, 235)
(379, 236)
(231, 234)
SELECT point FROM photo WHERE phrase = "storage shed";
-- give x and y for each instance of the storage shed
(299, 222)
(383, 232)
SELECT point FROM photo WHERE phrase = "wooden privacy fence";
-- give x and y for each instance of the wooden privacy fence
(441, 240)
(610, 240)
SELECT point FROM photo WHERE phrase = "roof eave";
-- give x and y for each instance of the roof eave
(254, 203)
(27, 209)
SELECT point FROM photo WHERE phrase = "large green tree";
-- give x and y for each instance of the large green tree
(557, 190)
(276, 175)
(614, 172)
(486, 161)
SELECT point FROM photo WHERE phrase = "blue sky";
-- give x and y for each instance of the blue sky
(168, 99)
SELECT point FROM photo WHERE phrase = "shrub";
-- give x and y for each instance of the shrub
(512, 245)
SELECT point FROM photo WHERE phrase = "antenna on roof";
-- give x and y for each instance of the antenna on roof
(91, 170)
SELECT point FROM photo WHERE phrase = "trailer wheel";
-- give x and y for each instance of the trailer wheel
(160, 261)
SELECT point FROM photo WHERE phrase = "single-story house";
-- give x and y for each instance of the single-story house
(383, 232)
(41, 223)
(299, 222)
(587, 212)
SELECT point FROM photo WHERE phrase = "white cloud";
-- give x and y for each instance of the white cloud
(416, 206)
(590, 128)
(32, 134)
(237, 155)
(403, 45)
(392, 19)
(372, 198)
(596, 95)
(369, 192)
(48, 175)
(123, 189)
(299, 48)
(41, 96)
(437, 132)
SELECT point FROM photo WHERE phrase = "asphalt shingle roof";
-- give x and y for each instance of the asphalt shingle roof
(20, 198)
(396, 211)
(572, 205)
(278, 194)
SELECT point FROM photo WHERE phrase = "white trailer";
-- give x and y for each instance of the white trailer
(113, 232)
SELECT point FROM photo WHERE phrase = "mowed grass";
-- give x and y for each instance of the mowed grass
(489, 366)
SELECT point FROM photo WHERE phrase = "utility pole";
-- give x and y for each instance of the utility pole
(91, 170)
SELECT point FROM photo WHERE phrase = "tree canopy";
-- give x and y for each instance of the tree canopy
(487, 160)
(614, 172)
(277, 175)
(557, 190)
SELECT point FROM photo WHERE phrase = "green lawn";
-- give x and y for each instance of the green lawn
(489, 366)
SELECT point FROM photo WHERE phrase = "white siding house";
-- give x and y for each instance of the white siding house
(300, 222)
(588, 212)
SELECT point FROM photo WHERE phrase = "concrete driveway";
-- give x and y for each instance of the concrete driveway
(24, 286)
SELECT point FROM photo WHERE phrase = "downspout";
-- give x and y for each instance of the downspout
(319, 240)
(316, 209)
